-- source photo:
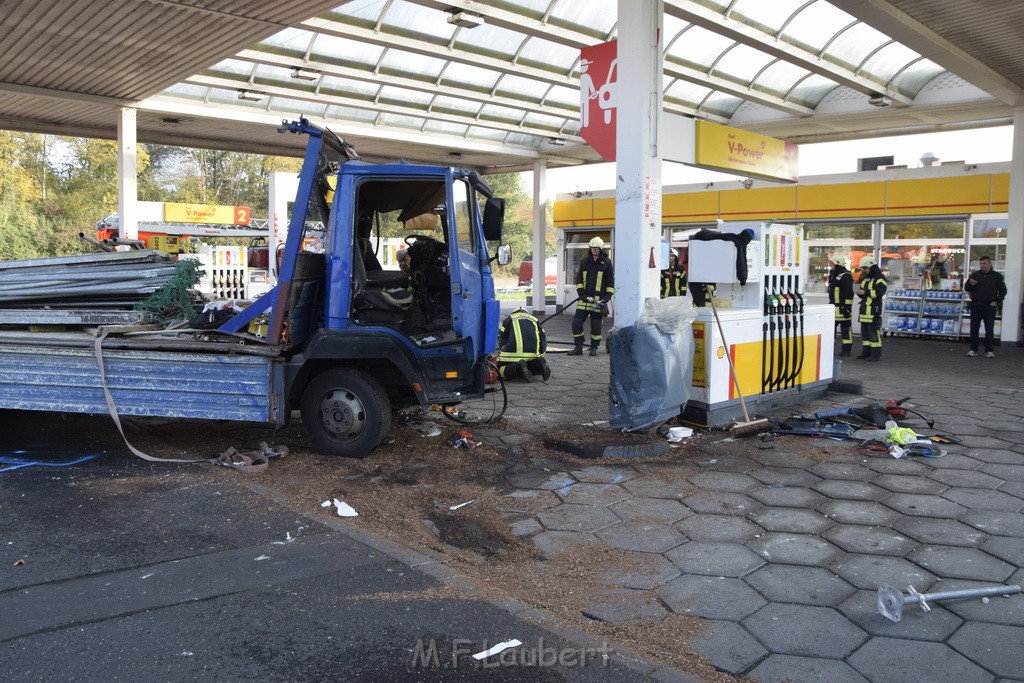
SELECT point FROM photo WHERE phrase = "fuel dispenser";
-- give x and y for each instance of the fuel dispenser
(781, 347)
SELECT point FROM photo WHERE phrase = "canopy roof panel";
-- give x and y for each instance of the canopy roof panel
(498, 83)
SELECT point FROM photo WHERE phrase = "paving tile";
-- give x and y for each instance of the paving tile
(727, 646)
(961, 563)
(940, 531)
(909, 483)
(965, 478)
(540, 479)
(605, 474)
(539, 500)
(850, 490)
(555, 543)
(787, 496)
(859, 512)
(721, 503)
(870, 540)
(784, 476)
(787, 548)
(793, 520)
(862, 609)
(1007, 472)
(919, 505)
(838, 470)
(645, 537)
(885, 464)
(996, 523)
(871, 571)
(620, 605)
(978, 499)
(800, 585)
(1014, 488)
(651, 573)
(711, 597)
(998, 610)
(522, 523)
(788, 668)
(723, 481)
(997, 648)
(577, 518)
(894, 659)
(651, 510)
(985, 442)
(780, 457)
(805, 630)
(727, 528)
(956, 461)
(714, 559)
(592, 494)
(1005, 548)
(653, 487)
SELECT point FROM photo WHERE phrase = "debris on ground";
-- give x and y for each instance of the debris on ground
(343, 508)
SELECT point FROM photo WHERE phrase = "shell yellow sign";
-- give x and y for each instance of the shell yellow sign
(207, 213)
(732, 150)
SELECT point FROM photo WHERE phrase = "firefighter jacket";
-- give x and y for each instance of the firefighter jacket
(673, 282)
(873, 287)
(840, 292)
(520, 337)
(594, 280)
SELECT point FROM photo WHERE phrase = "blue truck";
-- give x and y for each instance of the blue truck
(346, 342)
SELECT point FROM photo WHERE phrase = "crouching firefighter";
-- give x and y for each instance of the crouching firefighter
(595, 285)
(522, 343)
(872, 289)
(840, 295)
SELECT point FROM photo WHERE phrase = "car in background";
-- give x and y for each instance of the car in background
(550, 272)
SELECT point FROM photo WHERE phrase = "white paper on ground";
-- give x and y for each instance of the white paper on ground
(344, 509)
(500, 647)
(462, 505)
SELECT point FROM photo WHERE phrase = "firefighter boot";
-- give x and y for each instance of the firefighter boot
(846, 350)
(876, 355)
(865, 354)
(578, 349)
(593, 349)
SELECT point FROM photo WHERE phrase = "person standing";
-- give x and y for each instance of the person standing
(523, 344)
(840, 295)
(673, 278)
(987, 289)
(872, 289)
(595, 285)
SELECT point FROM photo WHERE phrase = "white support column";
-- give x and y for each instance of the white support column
(540, 229)
(1015, 236)
(282, 188)
(638, 161)
(127, 175)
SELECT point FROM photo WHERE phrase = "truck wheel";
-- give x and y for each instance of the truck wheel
(345, 412)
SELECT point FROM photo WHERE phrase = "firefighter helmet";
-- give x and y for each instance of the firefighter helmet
(674, 252)
(597, 243)
(867, 262)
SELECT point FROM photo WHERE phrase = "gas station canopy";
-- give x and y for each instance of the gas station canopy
(495, 84)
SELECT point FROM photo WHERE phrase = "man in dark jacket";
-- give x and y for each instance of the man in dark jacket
(840, 295)
(595, 285)
(987, 289)
(673, 278)
(523, 344)
(872, 289)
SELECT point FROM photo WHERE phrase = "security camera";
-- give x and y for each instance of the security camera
(879, 100)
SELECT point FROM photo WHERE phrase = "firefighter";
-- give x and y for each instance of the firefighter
(872, 289)
(523, 344)
(840, 295)
(595, 285)
(673, 278)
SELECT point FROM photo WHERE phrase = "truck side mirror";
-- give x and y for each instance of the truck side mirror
(504, 255)
(494, 219)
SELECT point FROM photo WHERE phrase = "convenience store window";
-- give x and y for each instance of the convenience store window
(923, 254)
(845, 243)
(988, 238)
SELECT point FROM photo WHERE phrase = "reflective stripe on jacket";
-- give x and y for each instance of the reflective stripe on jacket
(594, 279)
(874, 287)
(520, 337)
(673, 282)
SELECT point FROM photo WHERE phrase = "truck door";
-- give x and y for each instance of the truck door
(467, 286)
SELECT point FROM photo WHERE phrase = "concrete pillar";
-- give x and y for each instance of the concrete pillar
(281, 191)
(127, 175)
(638, 162)
(1014, 235)
(539, 235)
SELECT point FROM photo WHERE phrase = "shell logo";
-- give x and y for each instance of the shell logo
(720, 352)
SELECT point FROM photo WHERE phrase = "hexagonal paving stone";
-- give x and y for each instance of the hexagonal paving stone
(961, 563)
(540, 479)
(843, 470)
(645, 537)
(870, 540)
(1014, 488)
(603, 474)
(718, 528)
(784, 476)
(978, 499)
(780, 457)
(521, 523)
(651, 573)
(965, 479)
(924, 506)
(792, 520)
(940, 531)
(714, 559)
(997, 648)
(956, 462)
(653, 487)
(859, 512)
(870, 571)
(555, 543)
(800, 585)
(996, 523)
(998, 610)
(795, 549)
(538, 500)
(721, 503)
(892, 659)
(620, 605)
(850, 490)
(887, 465)
(592, 494)
(805, 630)
(787, 496)
(788, 668)
(723, 481)
(1005, 548)
(651, 510)
(916, 624)
(1005, 472)
(711, 597)
(727, 646)
(909, 483)
(577, 518)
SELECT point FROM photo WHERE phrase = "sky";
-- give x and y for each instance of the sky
(978, 146)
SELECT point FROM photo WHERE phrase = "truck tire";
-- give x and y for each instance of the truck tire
(345, 412)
